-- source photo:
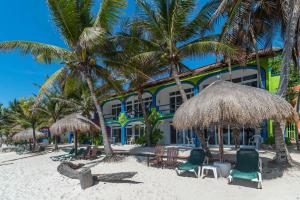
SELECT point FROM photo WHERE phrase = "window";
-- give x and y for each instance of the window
(134, 108)
(116, 135)
(176, 99)
(115, 111)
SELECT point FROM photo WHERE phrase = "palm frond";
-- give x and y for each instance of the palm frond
(201, 48)
(109, 13)
(42, 52)
(48, 84)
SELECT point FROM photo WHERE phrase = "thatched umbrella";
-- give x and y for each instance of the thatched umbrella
(27, 134)
(224, 103)
(76, 123)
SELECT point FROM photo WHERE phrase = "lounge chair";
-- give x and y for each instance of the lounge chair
(69, 157)
(194, 163)
(248, 167)
(158, 155)
(57, 158)
(172, 154)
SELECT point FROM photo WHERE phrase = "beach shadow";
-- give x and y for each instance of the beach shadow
(6, 164)
(244, 183)
(115, 178)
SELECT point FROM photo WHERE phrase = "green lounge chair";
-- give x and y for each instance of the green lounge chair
(69, 157)
(194, 163)
(57, 158)
(248, 167)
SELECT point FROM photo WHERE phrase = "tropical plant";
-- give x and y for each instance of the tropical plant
(86, 37)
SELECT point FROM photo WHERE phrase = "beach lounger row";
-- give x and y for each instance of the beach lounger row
(248, 165)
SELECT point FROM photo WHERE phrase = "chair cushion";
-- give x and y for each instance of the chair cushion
(244, 175)
(187, 166)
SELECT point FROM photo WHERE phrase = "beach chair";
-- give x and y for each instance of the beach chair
(57, 158)
(194, 163)
(92, 154)
(172, 154)
(130, 141)
(158, 155)
(248, 167)
(85, 153)
(69, 157)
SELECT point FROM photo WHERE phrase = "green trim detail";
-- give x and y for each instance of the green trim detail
(122, 119)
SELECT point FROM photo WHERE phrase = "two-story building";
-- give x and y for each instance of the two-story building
(124, 118)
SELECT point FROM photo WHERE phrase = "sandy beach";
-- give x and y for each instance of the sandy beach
(32, 178)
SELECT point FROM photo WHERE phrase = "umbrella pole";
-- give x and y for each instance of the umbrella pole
(220, 138)
(75, 142)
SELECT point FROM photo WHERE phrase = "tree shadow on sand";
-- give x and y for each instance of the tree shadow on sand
(115, 178)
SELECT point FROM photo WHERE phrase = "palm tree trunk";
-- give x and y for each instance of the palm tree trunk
(199, 133)
(107, 146)
(282, 154)
(175, 74)
(257, 58)
(75, 142)
(34, 137)
(297, 128)
(289, 44)
(147, 123)
(229, 69)
(204, 145)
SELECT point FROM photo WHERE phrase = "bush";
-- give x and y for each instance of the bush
(97, 140)
(155, 136)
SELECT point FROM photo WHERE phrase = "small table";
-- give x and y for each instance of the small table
(223, 167)
(214, 169)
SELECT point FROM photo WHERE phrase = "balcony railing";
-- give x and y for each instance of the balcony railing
(168, 108)
(109, 117)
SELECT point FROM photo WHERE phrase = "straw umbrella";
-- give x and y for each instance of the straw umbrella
(224, 103)
(76, 123)
(27, 134)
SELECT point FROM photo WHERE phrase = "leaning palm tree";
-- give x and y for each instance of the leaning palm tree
(85, 37)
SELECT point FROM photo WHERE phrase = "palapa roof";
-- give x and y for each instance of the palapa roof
(225, 103)
(74, 122)
(27, 134)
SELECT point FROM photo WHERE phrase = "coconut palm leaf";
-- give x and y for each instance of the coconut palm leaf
(200, 48)
(109, 13)
(49, 83)
(67, 18)
(42, 52)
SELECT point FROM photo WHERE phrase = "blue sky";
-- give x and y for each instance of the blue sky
(31, 20)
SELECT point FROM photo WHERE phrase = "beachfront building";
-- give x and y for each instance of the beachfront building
(124, 118)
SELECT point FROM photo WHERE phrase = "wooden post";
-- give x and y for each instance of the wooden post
(75, 142)
(220, 138)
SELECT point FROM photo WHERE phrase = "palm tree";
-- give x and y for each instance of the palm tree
(265, 18)
(137, 71)
(176, 35)
(52, 110)
(85, 37)
(22, 113)
(175, 30)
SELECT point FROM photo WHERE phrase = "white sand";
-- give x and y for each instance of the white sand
(36, 178)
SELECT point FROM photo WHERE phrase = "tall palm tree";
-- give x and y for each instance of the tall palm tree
(85, 37)
(176, 30)
(176, 35)
(279, 13)
(137, 71)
